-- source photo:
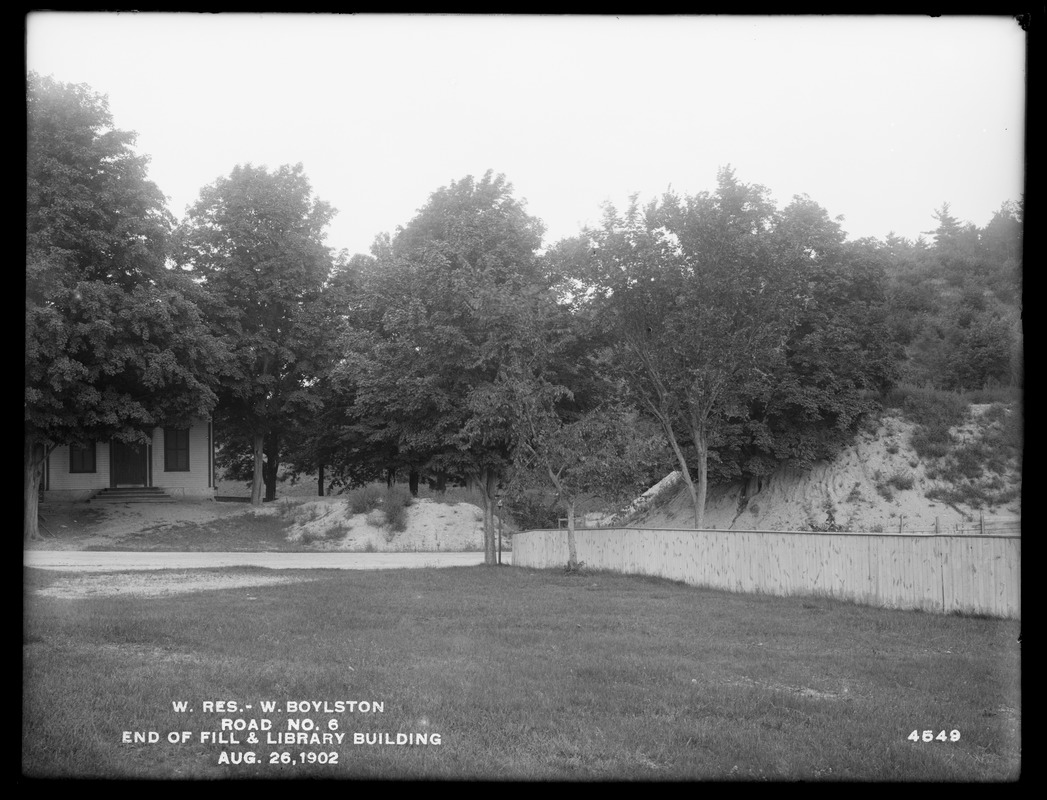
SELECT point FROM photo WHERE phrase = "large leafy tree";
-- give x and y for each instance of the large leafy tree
(447, 313)
(330, 443)
(839, 354)
(699, 303)
(115, 343)
(255, 242)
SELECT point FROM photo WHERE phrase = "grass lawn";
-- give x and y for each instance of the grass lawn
(523, 674)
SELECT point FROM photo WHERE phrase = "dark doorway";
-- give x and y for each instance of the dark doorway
(129, 464)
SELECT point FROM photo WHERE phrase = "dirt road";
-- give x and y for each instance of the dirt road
(102, 561)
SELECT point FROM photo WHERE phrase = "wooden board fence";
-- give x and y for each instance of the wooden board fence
(941, 573)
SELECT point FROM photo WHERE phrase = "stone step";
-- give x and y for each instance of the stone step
(142, 494)
(131, 500)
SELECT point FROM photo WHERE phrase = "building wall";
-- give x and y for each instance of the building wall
(60, 484)
(196, 481)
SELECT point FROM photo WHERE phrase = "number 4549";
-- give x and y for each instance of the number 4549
(929, 736)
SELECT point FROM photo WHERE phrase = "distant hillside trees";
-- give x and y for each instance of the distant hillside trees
(956, 304)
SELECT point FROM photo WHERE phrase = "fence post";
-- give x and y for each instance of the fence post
(981, 522)
(937, 527)
(900, 521)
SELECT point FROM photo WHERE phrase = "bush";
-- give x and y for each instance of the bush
(287, 507)
(395, 504)
(932, 441)
(901, 481)
(365, 499)
(532, 511)
(997, 412)
(309, 536)
(307, 514)
(883, 486)
(974, 495)
(969, 460)
(933, 407)
(830, 525)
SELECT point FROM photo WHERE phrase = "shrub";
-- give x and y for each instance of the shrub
(532, 511)
(365, 499)
(933, 407)
(311, 535)
(335, 531)
(830, 525)
(994, 394)
(968, 460)
(883, 486)
(997, 412)
(933, 441)
(901, 481)
(396, 501)
(455, 494)
(973, 494)
(307, 514)
(288, 507)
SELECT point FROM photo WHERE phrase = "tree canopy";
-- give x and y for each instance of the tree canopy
(115, 343)
(698, 303)
(751, 335)
(445, 314)
(255, 243)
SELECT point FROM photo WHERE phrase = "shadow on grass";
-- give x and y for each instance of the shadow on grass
(243, 533)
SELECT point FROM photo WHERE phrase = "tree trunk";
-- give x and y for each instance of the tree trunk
(487, 483)
(685, 472)
(320, 479)
(272, 464)
(34, 455)
(702, 446)
(256, 483)
(569, 504)
(412, 482)
(700, 437)
(572, 550)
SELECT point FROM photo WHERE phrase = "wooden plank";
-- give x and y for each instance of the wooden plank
(939, 573)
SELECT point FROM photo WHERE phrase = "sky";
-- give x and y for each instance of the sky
(879, 119)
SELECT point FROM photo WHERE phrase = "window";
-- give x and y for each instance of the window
(176, 449)
(82, 459)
